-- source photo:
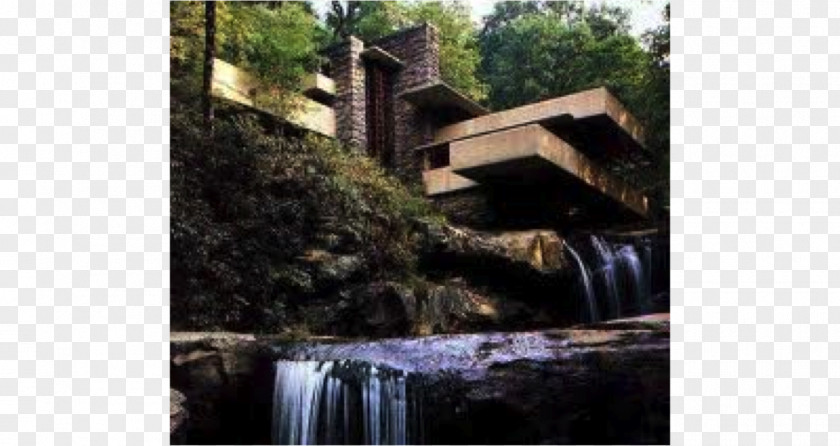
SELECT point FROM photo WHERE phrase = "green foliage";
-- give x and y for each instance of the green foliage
(655, 99)
(276, 43)
(186, 44)
(538, 56)
(459, 52)
(539, 50)
(249, 207)
(378, 19)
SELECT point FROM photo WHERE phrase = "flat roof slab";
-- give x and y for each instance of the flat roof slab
(441, 97)
(377, 54)
(443, 181)
(533, 155)
(597, 109)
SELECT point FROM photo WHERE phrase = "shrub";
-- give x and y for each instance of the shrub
(248, 206)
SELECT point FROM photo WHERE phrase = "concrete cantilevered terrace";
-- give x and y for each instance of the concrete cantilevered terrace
(560, 146)
(533, 154)
(594, 119)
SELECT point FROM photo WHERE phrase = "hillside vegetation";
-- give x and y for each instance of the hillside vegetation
(254, 212)
(267, 223)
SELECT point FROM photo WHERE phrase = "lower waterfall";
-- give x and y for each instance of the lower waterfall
(586, 282)
(343, 402)
(616, 275)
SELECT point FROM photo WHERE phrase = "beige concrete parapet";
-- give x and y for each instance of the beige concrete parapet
(533, 150)
(576, 106)
(237, 85)
(318, 87)
(443, 180)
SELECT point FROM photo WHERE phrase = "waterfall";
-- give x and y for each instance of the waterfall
(615, 274)
(342, 402)
(606, 269)
(648, 278)
(638, 279)
(586, 280)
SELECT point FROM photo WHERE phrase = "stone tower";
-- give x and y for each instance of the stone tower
(372, 113)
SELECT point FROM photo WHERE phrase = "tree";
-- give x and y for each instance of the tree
(378, 19)
(342, 19)
(277, 44)
(535, 50)
(538, 56)
(459, 52)
(606, 21)
(209, 56)
(655, 99)
(567, 11)
(552, 49)
(506, 12)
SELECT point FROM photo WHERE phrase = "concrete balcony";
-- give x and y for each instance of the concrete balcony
(593, 121)
(319, 88)
(443, 180)
(237, 85)
(531, 156)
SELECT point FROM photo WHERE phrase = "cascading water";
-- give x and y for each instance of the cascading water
(648, 277)
(343, 402)
(638, 279)
(586, 281)
(615, 276)
(606, 269)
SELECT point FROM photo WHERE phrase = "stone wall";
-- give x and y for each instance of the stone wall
(348, 72)
(419, 50)
(469, 207)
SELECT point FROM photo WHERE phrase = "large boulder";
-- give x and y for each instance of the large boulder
(598, 384)
(525, 266)
(539, 250)
(328, 267)
(382, 309)
(604, 383)
(453, 306)
(225, 379)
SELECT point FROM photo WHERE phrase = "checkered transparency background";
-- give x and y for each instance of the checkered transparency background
(756, 194)
(84, 222)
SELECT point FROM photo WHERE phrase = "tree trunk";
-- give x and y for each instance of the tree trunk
(209, 55)
(344, 18)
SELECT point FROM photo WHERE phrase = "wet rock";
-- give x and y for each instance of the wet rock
(178, 415)
(382, 309)
(452, 307)
(603, 383)
(661, 301)
(455, 307)
(600, 384)
(526, 267)
(540, 250)
(389, 309)
(330, 268)
(223, 377)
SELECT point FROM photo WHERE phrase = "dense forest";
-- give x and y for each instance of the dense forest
(266, 221)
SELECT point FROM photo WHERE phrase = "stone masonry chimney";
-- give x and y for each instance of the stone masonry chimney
(412, 56)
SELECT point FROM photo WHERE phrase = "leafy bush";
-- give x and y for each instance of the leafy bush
(249, 206)
(278, 44)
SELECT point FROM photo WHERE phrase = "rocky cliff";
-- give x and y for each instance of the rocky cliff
(599, 384)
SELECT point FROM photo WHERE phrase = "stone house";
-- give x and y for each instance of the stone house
(542, 164)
